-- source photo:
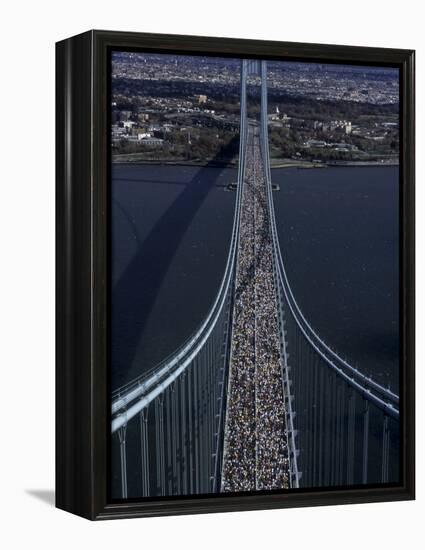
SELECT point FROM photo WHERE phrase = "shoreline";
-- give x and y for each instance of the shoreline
(176, 163)
(307, 165)
(333, 164)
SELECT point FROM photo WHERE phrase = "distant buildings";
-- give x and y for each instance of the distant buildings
(278, 117)
(321, 82)
(330, 126)
(155, 98)
(127, 131)
(152, 141)
(128, 124)
(320, 144)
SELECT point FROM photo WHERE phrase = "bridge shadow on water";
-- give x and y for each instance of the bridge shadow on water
(146, 271)
(150, 180)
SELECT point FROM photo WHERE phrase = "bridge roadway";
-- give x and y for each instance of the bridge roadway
(255, 441)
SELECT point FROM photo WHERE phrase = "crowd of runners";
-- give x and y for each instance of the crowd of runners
(255, 449)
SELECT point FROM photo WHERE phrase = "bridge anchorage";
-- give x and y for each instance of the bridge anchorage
(255, 399)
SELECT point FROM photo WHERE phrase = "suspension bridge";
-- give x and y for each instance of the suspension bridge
(255, 399)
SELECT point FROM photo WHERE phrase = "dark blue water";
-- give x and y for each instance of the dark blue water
(171, 229)
(338, 230)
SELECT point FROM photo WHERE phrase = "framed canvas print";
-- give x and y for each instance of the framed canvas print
(235, 274)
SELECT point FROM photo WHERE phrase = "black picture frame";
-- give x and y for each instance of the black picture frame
(82, 236)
